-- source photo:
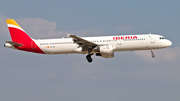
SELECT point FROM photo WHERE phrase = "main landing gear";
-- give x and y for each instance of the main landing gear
(153, 56)
(88, 57)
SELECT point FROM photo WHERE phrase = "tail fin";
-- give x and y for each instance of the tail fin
(17, 33)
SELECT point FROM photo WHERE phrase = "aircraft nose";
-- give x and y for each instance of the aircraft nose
(169, 43)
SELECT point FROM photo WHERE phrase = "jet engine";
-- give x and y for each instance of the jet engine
(105, 51)
(105, 55)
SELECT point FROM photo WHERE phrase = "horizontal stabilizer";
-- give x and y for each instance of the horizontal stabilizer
(14, 43)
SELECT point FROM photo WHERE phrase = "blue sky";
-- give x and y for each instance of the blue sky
(128, 76)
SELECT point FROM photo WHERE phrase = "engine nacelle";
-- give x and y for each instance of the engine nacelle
(104, 49)
(105, 55)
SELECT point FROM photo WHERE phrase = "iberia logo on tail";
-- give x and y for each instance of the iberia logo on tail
(17, 33)
(12, 23)
(20, 40)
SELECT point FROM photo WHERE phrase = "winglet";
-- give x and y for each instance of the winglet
(68, 35)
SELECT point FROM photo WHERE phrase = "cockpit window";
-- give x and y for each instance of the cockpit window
(161, 38)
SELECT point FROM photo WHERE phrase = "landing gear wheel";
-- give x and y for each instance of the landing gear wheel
(153, 56)
(89, 59)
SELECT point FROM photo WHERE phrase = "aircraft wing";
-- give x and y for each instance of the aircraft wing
(14, 43)
(85, 44)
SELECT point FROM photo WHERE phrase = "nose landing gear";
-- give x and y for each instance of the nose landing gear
(89, 59)
(153, 55)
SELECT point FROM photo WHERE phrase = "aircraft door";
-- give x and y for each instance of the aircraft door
(33, 45)
(152, 40)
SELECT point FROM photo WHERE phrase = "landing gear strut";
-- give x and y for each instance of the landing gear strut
(153, 56)
(89, 59)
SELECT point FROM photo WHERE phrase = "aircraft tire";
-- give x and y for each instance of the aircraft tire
(89, 59)
(153, 56)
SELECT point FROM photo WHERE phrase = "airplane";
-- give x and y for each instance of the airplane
(103, 46)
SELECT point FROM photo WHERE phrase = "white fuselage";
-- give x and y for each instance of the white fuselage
(120, 43)
(103, 46)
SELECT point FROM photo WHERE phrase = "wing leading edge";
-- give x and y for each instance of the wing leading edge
(85, 44)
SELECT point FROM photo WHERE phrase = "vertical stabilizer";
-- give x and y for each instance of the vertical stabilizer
(17, 33)
(20, 40)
